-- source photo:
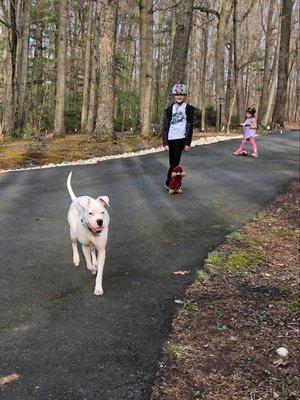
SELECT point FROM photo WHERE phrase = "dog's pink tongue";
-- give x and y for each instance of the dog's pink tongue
(97, 229)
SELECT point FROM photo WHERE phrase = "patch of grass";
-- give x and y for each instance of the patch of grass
(266, 218)
(176, 349)
(190, 305)
(263, 313)
(243, 259)
(234, 261)
(199, 393)
(214, 262)
(235, 236)
(220, 328)
(285, 233)
(293, 305)
(202, 276)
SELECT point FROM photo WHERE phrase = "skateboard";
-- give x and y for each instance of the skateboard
(175, 183)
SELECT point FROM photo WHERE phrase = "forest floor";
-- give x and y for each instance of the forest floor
(45, 150)
(243, 306)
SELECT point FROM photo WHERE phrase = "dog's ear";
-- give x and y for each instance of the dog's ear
(83, 204)
(104, 200)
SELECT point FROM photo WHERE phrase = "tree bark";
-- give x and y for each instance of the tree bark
(146, 65)
(267, 118)
(38, 54)
(106, 96)
(219, 58)
(279, 114)
(203, 73)
(238, 78)
(94, 68)
(87, 69)
(267, 64)
(59, 124)
(184, 17)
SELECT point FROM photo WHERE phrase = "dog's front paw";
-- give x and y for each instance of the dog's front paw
(98, 292)
(76, 262)
(92, 269)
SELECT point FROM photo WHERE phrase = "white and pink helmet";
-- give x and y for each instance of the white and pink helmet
(179, 88)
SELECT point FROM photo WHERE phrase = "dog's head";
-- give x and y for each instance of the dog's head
(93, 213)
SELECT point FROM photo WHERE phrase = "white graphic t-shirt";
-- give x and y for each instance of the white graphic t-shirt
(178, 122)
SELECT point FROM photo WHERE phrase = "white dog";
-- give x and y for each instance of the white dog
(89, 220)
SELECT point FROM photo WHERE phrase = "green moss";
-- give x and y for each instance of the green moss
(235, 236)
(202, 275)
(234, 261)
(285, 233)
(293, 305)
(190, 305)
(175, 349)
(214, 262)
(243, 260)
(266, 218)
(220, 328)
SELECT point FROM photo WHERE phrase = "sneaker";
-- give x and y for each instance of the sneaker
(255, 155)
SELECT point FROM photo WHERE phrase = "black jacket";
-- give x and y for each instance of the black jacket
(189, 124)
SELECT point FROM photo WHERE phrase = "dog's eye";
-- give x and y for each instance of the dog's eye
(102, 212)
(90, 213)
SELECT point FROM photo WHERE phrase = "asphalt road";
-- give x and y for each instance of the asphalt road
(66, 344)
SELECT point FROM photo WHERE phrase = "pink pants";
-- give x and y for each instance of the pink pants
(253, 144)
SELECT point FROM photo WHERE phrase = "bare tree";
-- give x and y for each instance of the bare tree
(279, 114)
(87, 69)
(267, 63)
(146, 65)
(184, 17)
(59, 125)
(106, 96)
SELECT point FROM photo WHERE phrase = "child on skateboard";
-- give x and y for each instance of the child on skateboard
(249, 131)
(177, 127)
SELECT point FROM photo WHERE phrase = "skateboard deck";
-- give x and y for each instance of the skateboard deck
(175, 183)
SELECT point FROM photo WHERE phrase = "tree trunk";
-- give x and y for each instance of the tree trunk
(181, 42)
(283, 65)
(203, 74)
(267, 64)
(267, 118)
(94, 68)
(106, 96)
(229, 85)
(238, 78)
(38, 54)
(7, 123)
(87, 70)
(146, 65)
(219, 58)
(59, 124)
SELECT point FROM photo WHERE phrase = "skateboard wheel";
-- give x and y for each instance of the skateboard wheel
(174, 174)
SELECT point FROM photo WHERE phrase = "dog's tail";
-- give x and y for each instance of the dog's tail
(73, 197)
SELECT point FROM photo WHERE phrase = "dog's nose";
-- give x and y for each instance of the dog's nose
(100, 222)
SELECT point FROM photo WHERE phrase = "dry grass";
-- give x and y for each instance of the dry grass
(45, 150)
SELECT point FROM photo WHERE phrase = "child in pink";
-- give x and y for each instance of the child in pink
(249, 131)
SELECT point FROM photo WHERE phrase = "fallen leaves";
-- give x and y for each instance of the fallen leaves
(181, 272)
(8, 379)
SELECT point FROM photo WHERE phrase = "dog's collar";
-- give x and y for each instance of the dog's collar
(89, 228)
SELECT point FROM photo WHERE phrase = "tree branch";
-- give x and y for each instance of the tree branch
(207, 10)
(8, 25)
